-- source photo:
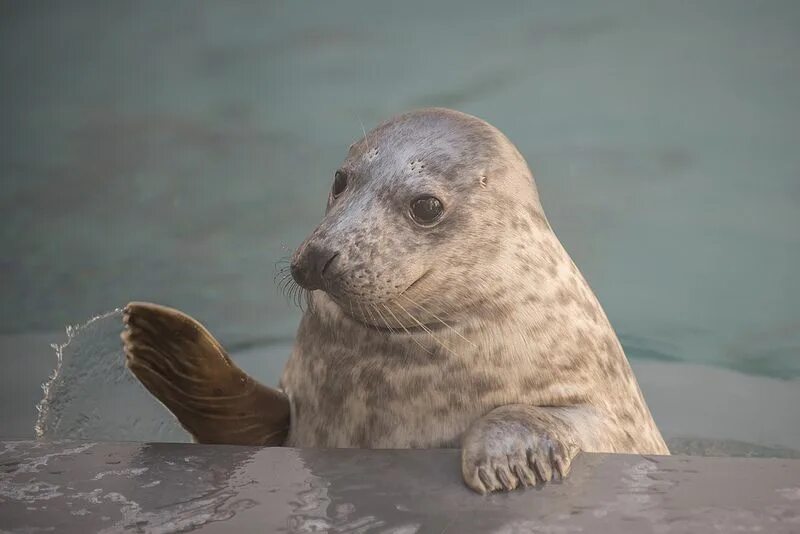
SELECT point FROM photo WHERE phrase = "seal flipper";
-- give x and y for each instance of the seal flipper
(185, 368)
(519, 445)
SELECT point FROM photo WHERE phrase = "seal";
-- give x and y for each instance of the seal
(442, 312)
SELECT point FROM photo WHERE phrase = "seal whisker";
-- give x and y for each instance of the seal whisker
(456, 332)
(283, 280)
(419, 323)
(278, 278)
(282, 267)
(282, 283)
(406, 330)
(371, 316)
(293, 293)
(304, 297)
(366, 139)
(286, 283)
(361, 309)
(287, 289)
(385, 322)
(298, 297)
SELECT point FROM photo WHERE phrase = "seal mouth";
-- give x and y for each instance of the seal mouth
(419, 327)
(415, 282)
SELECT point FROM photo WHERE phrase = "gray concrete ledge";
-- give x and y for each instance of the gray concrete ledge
(89, 487)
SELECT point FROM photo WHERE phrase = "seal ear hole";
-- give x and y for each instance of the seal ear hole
(484, 181)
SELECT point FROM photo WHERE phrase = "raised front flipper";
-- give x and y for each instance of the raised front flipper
(186, 369)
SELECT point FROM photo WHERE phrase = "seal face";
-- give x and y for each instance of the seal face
(418, 209)
(443, 312)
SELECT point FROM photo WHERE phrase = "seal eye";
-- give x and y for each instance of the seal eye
(339, 183)
(426, 210)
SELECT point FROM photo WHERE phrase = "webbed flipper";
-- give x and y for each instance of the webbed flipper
(185, 368)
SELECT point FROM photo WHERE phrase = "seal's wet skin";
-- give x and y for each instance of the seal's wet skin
(443, 311)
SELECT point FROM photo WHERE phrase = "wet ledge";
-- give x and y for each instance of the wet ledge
(88, 487)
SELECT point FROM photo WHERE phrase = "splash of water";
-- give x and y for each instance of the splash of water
(91, 394)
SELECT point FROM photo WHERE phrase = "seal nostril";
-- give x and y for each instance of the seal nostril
(327, 264)
(295, 271)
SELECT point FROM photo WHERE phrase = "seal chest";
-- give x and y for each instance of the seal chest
(397, 394)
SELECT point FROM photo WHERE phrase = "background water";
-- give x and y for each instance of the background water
(175, 151)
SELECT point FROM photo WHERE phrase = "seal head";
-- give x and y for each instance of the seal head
(418, 209)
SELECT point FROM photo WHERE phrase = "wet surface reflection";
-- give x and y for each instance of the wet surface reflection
(110, 487)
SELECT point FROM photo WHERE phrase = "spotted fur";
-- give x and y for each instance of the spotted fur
(523, 328)
(476, 332)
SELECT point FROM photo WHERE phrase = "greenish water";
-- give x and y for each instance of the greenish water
(174, 151)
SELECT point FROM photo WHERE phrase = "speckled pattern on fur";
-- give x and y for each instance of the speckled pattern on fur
(477, 331)
(523, 326)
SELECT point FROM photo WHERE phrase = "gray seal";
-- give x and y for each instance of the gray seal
(442, 312)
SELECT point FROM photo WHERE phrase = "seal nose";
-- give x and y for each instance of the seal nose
(310, 264)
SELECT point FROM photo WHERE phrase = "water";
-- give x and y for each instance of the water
(173, 152)
(91, 367)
